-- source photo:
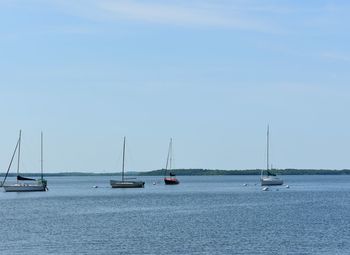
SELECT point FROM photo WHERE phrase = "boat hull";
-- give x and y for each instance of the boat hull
(24, 188)
(127, 184)
(269, 181)
(171, 181)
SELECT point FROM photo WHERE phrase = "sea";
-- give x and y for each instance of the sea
(201, 215)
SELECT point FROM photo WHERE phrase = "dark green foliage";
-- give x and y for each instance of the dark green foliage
(160, 172)
(247, 172)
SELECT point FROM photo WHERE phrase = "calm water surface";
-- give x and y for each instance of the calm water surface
(202, 215)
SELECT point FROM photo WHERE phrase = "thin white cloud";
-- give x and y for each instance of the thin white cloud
(206, 13)
(180, 14)
(250, 15)
(336, 56)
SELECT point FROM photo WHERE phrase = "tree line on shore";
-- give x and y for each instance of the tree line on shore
(199, 171)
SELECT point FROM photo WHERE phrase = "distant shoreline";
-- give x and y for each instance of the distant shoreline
(199, 172)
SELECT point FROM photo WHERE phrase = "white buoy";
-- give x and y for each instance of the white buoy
(265, 189)
(287, 186)
(95, 187)
(245, 184)
(154, 183)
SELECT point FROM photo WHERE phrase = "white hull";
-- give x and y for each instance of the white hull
(24, 187)
(127, 184)
(270, 180)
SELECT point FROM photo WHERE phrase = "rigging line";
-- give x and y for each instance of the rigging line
(119, 161)
(9, 167)
(123, 166)
(19, 152)
(172, 157)
(168, 157)
(171, 154)
(268, 147)
(130, 160)
(42, 157)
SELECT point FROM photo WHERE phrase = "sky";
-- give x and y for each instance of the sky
(211, 74)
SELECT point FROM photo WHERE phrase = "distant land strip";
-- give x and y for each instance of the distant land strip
(189, 172)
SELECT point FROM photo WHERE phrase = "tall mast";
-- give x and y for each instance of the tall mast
(168, 159)
(171, 153)
(123, 160)
(267, 147)
(19, 152)
(42, 157)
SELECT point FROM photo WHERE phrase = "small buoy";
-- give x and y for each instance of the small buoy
(287, 186)
(245, 184)
(154, 183)
(265, 189)
(95, 187)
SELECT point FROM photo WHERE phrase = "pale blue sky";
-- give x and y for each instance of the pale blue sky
(210, 74)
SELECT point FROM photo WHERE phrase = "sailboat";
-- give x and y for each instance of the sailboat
(34, 185)
(124, 183)
(269, 178)
(171, 179)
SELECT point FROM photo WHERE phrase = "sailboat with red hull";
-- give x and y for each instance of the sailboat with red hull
(171, 179)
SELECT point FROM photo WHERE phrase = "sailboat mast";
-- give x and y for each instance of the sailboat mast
(19, 153)
(171, 153)
(123, 166)
(42, 157)
(168, 160)
(267, 147)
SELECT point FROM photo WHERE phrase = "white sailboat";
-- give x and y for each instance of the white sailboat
(125, 183)
(25, 184)
(269, 178)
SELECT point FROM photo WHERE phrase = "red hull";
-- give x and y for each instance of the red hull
(171, 181)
